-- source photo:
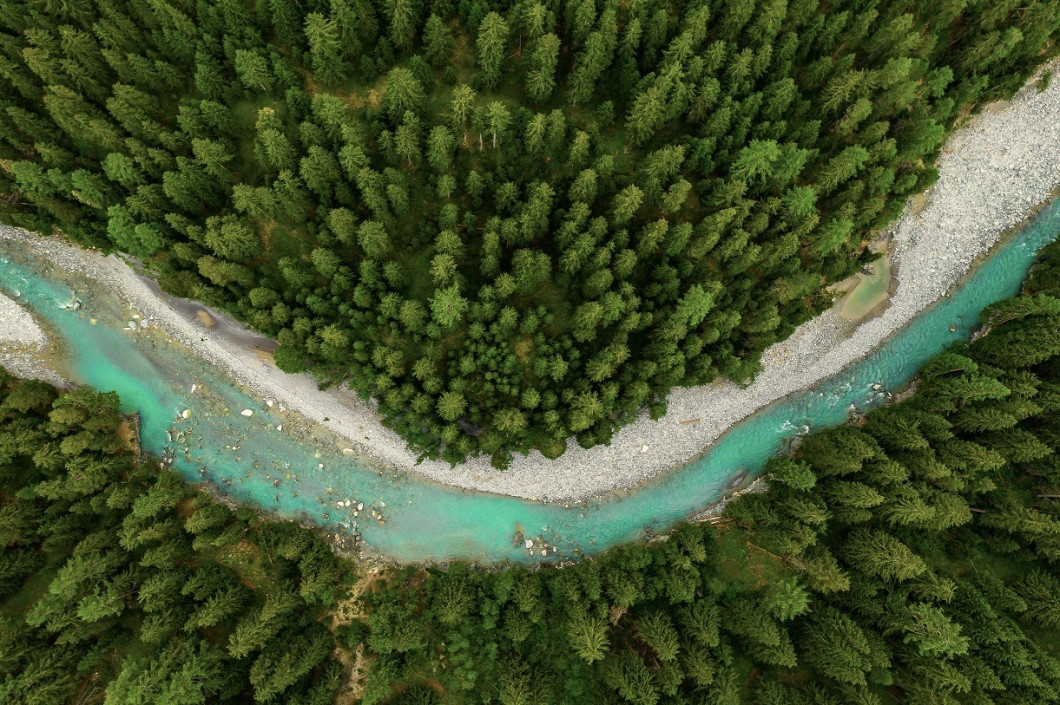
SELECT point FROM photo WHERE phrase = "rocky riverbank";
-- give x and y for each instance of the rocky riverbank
(23, 344)
(17, 327)
(995, 171)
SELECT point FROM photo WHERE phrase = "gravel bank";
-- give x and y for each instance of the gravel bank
(21, 342)
(17, 327)
(993, 172)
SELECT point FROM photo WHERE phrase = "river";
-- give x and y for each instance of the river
(411, 519)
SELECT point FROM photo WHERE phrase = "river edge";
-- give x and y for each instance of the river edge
(1010, 153)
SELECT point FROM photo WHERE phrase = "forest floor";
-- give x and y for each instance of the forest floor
(993, 173)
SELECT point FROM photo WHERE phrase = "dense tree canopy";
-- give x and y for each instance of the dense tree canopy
(911, 557)
(908, 558)
(509, 222)
(121, 585)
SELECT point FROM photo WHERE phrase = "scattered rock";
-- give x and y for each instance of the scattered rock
(246, 412)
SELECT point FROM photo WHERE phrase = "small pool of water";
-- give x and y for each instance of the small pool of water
(412, 519)
(870, 292)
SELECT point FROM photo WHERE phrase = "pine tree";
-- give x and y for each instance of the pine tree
(253, 70)
(541, 74)
(404, 21)
(498, 118)
(877, 553)
(324, 49)
(625, 204)
(491, 47)
(786, 599)
(438, 40)
(448, 306)
(835, 646)
(657, 631)
(403, 93)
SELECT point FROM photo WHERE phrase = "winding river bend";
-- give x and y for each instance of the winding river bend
(412, 519)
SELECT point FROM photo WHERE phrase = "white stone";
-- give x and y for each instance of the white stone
(529, 543)
(246, 412)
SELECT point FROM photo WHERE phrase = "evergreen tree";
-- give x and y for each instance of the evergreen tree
(491, 47)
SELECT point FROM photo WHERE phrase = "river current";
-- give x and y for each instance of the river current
(408, 518)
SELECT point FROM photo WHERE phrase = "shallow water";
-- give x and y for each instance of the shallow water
(304, 477)
(870, 292)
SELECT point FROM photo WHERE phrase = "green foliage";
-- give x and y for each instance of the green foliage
(670, 186)
(88, 607)
(910, 558)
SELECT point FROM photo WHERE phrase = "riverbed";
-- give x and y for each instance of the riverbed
(993, 172)
(251, 449)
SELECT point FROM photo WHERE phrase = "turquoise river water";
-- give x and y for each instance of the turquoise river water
(411, 519)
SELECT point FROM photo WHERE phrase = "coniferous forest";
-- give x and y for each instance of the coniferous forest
(511, 223)
(911, 557)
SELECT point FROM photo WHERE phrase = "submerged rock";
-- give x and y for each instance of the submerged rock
(738, 480)
(246, 412)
